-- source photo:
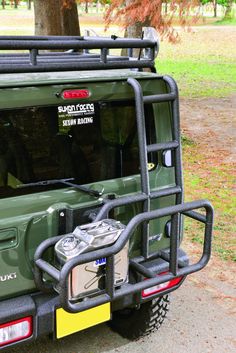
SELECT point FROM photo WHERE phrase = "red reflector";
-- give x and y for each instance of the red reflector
(161, 287)
(76, 93)
(17, 330)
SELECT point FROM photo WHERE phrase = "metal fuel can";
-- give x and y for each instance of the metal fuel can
(89, 279)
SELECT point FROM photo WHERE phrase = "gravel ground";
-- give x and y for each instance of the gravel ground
(211, 122)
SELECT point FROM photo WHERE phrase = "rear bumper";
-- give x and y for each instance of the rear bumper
(42, 306)
(160, 268)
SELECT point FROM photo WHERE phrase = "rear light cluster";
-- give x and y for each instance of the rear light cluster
(17, 330)
(161, 287)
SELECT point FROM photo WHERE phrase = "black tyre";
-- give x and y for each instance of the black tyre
(133, 323)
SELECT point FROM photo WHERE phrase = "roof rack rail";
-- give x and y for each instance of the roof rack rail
(14, 57)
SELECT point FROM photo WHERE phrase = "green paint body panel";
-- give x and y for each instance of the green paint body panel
(25, 221)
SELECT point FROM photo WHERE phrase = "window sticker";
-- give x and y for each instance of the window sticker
(76, 114)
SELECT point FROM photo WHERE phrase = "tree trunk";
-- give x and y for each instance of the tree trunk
(86, 6)
(70, 20)
(228, 12)
(215, 8)
(134, 31)
(47, 17)
(3, 4)
(15, 4)
(52, 18)
(29, 4)
(166, 8)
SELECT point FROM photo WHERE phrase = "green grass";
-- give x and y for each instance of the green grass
(186, 141)
(230, 22)
(203, 62)
(216, 184)
(200, 78)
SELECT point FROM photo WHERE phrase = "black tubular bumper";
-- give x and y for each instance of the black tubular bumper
(42, 307)
(176, 267)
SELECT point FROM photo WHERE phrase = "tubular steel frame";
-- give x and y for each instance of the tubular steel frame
(176, 268)
(112, 294)
(76, 54)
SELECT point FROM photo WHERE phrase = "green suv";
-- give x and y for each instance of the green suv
(92, 211)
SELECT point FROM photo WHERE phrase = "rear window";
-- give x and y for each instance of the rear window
(84, 142)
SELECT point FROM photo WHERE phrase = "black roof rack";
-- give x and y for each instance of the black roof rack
(22, 53)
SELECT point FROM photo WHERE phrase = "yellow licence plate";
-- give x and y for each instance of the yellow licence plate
(67, 323)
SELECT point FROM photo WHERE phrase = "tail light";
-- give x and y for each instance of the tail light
(17, 330)
(161, 287)
(76, 94)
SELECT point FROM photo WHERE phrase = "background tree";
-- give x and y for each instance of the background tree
(227, 4)
(214, 4)
(215, 7)
(29, 4)
(150, 13)
(56, 17)
(228, 8)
